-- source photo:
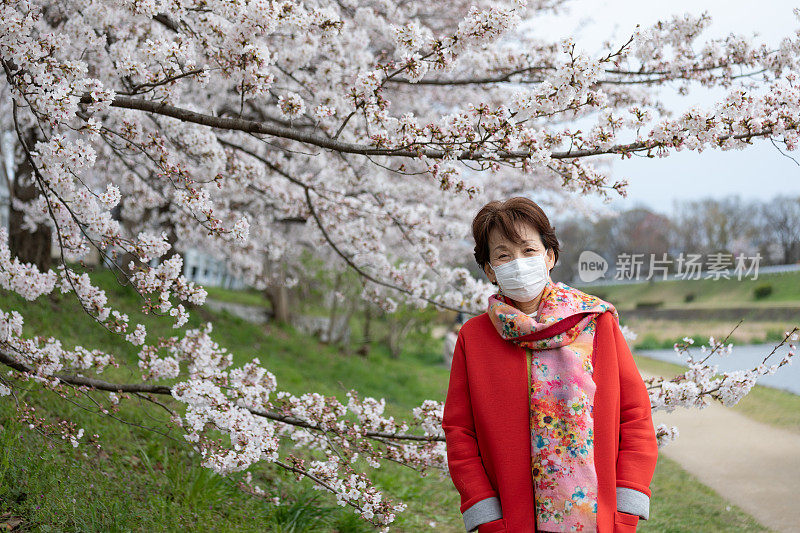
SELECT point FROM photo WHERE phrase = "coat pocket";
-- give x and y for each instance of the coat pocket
(493, 526)
(625, 522)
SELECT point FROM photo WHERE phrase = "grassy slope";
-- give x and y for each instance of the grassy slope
(708, 292)
(140, 480)
(709, 295)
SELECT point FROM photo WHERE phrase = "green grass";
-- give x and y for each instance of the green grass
(765, 404)
(680, 503)
(143, 484)
(55, 488)
(650, 341)
(244, 297)
(140, 480)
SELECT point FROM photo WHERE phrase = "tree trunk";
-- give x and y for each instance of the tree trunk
(363, 350)
(172, 237)
(791, 252)
(397, 334)
(278, 296)
(334, 307)
(29, 247)
(345, 323)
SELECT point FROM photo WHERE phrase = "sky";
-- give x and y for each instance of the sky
(758, 172)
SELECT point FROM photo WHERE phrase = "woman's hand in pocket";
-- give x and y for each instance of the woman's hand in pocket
(493, 526)
(625, 522)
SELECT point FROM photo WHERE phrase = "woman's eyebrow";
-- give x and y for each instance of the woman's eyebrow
(529, 241)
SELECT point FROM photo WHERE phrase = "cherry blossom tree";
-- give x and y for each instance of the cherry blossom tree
(254, 129)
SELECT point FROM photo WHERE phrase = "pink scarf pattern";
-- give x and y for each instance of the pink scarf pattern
(561, 401)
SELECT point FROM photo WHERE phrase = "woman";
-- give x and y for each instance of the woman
(571, 447)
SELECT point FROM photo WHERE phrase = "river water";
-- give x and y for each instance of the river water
(745, 356)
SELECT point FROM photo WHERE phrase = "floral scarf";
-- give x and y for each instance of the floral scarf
(560, 338)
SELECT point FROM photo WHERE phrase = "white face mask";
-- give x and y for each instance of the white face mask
(522, 279)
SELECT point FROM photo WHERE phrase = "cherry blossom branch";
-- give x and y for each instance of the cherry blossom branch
(697, 385)
(150, 388)
(249, 126)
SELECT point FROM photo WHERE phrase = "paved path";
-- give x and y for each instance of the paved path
(252, 313)
(754, 465)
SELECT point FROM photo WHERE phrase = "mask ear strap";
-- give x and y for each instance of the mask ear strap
(495, 281)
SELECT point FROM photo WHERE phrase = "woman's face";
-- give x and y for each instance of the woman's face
(502, 250)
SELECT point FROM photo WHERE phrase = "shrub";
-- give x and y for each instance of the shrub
(648, 305)
(762, 291)
(688, 297)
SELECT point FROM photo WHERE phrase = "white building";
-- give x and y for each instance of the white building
(206, 270)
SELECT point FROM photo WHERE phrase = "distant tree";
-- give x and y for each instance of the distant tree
(712, 224)
(781, 223)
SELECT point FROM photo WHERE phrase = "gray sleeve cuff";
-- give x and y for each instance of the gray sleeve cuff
(484, 511)
(633, 502)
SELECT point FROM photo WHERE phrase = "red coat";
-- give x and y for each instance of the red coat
(486, 425)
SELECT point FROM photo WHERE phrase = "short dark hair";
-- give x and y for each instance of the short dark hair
(503, 216)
